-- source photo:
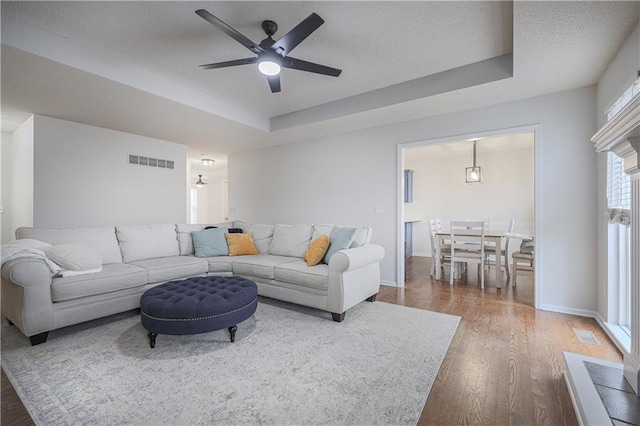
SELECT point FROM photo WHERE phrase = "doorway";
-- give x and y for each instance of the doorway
(435, 172)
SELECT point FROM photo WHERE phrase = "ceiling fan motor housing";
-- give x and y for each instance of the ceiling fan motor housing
(269, 27)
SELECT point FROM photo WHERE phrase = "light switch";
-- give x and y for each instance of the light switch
(378, 208)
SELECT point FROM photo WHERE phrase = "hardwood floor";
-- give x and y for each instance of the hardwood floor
(505, 362)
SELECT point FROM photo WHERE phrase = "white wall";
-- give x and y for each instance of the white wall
(506, 191)
(22, 175)
(620, 73)
(6, 158)
(82, 177)
(339, 179)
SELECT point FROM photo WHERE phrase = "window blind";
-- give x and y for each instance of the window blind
(618, 191)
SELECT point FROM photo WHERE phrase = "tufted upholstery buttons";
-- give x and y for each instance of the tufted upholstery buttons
(198, 305)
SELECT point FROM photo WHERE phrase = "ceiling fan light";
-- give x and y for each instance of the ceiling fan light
(268, 67)
(207, 162)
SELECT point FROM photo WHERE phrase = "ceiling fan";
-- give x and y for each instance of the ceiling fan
(272, 55)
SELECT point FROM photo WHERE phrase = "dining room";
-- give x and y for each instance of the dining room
(489, 180)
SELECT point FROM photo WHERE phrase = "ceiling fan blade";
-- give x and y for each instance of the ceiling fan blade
(299, 64)
(235, 62)
(294, 37)
(274, 83)
(229, 31)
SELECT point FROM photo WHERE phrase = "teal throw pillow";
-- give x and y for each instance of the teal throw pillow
(339, 239)
(210, 242)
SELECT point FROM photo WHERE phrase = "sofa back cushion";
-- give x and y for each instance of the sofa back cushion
(290, 240)
(102, 240)
(147, 241)
(262, 234)
(362, 237)
(185, 239)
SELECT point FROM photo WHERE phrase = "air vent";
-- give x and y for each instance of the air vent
(159, 163)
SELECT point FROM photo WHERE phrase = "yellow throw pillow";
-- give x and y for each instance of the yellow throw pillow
(241, 244)
(316, 251)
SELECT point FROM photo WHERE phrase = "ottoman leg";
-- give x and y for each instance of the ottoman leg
(152, 339)
(232, 333)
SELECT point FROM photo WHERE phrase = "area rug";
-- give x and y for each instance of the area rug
(288, 365)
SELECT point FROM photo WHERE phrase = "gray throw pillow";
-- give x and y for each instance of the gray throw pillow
(339, 239)
(210, 242)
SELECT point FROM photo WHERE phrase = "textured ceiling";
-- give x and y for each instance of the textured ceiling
(133, 66)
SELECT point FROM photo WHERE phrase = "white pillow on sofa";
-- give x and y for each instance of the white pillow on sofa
(75, 257)
(290, 240)
(142, 242)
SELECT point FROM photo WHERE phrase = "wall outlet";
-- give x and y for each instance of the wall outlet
(378, 209)
(232, 210)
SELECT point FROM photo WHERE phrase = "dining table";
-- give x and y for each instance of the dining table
(489, 236)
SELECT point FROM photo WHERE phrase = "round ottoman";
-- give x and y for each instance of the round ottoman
(197, 305)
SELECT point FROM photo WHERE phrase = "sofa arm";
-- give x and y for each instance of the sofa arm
(26, 295)
(355, 258)
(354, 275)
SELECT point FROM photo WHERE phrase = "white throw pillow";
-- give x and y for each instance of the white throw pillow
(290, 240)
(76, 257)
(142, 242)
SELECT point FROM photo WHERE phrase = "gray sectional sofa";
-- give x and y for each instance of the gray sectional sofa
(136, 258)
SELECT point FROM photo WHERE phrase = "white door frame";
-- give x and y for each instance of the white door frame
(535, 129)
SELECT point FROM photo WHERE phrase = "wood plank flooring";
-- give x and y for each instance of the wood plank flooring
(505, 362)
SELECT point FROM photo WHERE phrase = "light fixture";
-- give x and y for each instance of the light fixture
(200, 183)
(474, 174)
(207, 162)
(269, 67)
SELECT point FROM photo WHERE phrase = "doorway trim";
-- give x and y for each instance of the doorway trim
(531, 128)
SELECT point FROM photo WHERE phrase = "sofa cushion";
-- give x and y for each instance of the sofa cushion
(185, 240)
(298, 272)
(147, 241)
(75, 257)
(260, 266)
(220, 264)
(113, 277)
(241, 244)
(290, 240)
(362, 236)
(171, 268)
(210, 242)
(102, 240)
(339, 239)
(262, 234)
(317, 250)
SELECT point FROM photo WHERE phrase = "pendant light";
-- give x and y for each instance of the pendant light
(474, 174)
(200, 183)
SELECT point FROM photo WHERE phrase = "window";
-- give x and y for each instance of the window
(619, 245)
(618, 191)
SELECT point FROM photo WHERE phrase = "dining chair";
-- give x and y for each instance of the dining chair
(527, 256)
(435, 225)
(492, 250)
(467, 246)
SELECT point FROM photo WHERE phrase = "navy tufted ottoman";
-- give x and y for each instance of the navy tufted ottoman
(198, 305)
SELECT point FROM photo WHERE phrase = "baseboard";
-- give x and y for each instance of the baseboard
(389, 283)
(416, 254)
(569, 310)
(619, 338)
